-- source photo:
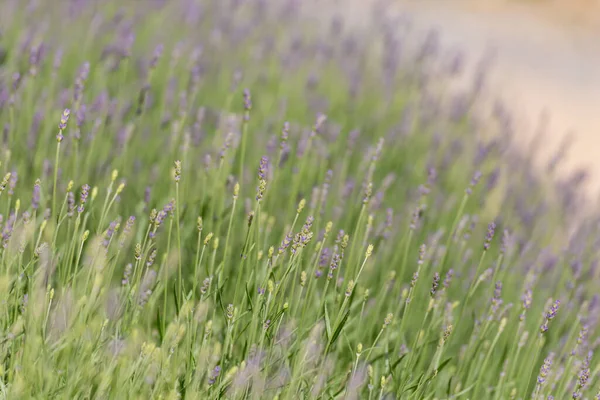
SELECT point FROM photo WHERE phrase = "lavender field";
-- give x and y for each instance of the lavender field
(226, 199)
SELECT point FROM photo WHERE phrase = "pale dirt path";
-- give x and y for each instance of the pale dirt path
(545, 58)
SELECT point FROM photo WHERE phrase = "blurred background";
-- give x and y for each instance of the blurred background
(544, 65)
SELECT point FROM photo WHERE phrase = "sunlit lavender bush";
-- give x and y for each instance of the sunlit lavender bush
(209, 199)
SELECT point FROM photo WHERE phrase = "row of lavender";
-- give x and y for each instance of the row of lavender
(223, 199)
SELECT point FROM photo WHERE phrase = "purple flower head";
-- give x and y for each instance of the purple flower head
(212, 378)
(319, 122)
(497, 291)
(474, 181)
(423, 190)
(553, 310)
(110, 232)
(158, 51)
(435, 285)
(127, 274)
(169, 207)
(285, 243)
(415, 218)
(262, 168)
(147, 193)
(16, 80)
(35, 197)
(12, 183)
(584, 372)
(147, 286)
(151, 258)
(527, 298)
(422, 251)
(489, 235)
(308, 224)
(8, 229)
(448, 278)
(84, 72)
(285, 132)
(324, 257)
(506, 241)
(550, 315)
(63, 123)
(85, 192)
(205, 285)
(389, 220)
(582, 337)
(70, 204)
(335, 263)
(81, 115)
(160, 217)
(127, 229)
(545, 369)
(496, 299)
(247, 100)
(57, 59)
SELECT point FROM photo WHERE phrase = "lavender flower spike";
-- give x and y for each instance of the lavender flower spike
(545, 369)
(35, 197)
(262, 168)
(63, 122)
(489, 236)
(214, 375)
(435, 284)
(550, 315)
(85, 191)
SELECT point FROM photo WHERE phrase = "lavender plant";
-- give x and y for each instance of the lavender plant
(209, 199)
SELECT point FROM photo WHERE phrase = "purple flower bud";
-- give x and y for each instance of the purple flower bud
(545, 369)
(35, 198)
(84, 72)
(156, 56)
(110, 232)
(335, 263)
(70, 204)
(448, 278)
(284, 135)
(81, 115)
(489, 236)
(151, 258)
(12, 183)
(285, 243)
(63, 123)
(85, 191)
(526, 299)
(8, 229)
(262, 168)
(506, 241)
(247, 100)
(127, 230)
(57, 59)
(435, 284)
(147, 286)
(474, 181)
(550, 315)
(147, 193)
(212, 378)
(127, 274)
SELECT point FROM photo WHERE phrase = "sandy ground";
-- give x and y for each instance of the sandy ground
(547, 58)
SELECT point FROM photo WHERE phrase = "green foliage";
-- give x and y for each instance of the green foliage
(222, 252)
